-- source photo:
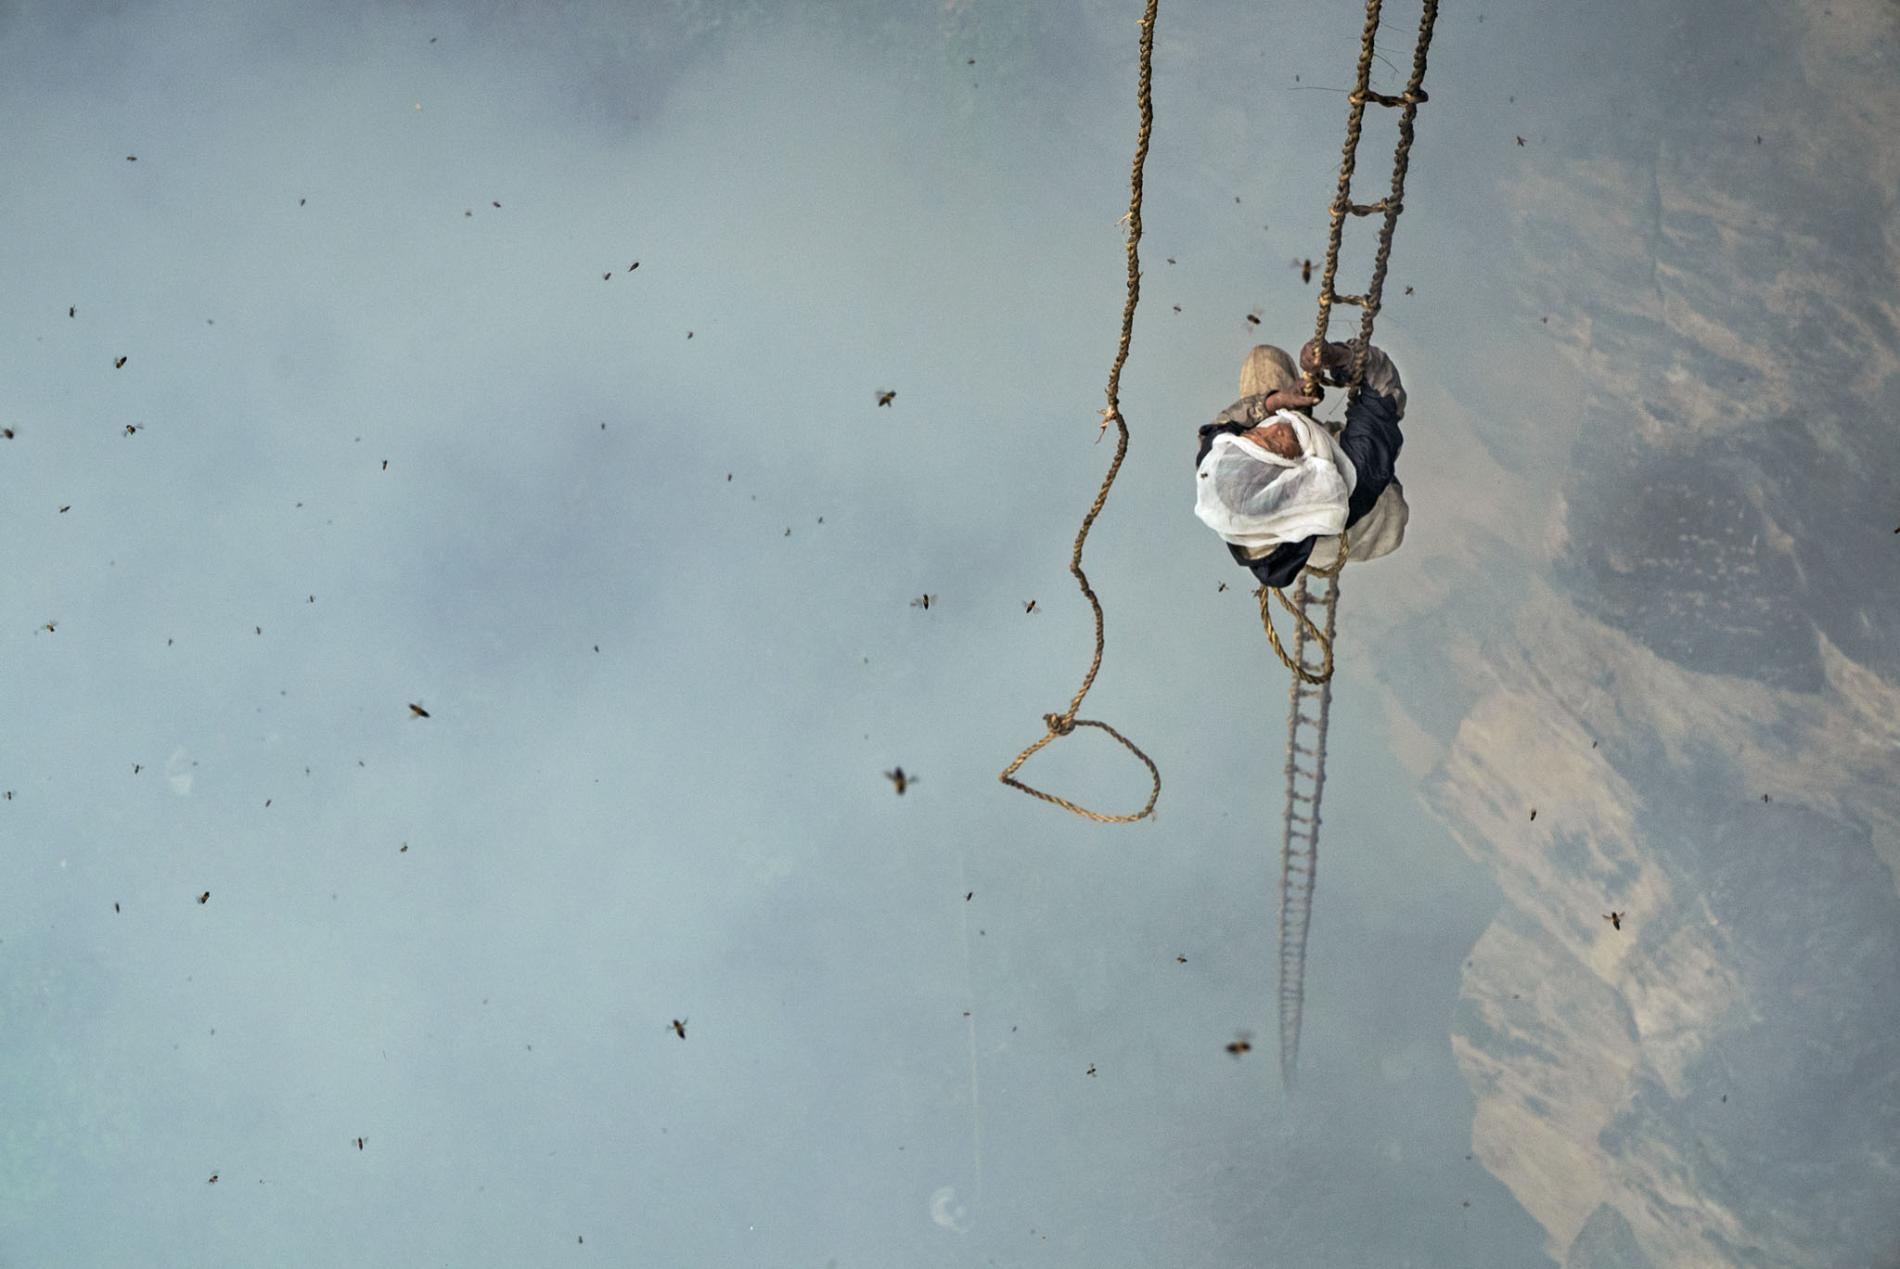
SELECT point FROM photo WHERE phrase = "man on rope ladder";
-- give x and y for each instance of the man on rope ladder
(1280, 486)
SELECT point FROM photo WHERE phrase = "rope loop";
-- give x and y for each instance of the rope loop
(1154, 772)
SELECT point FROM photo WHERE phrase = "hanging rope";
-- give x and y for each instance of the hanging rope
(1310, 631)
(1065, 723)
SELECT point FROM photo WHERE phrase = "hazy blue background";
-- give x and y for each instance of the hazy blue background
(662, 700)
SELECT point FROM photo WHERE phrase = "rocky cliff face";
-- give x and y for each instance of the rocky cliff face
(1703, 704)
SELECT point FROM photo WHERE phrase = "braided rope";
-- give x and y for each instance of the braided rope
(1299, 851)
(1065, 723)
(1342, 206)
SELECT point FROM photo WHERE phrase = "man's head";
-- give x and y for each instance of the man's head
(1277, 437)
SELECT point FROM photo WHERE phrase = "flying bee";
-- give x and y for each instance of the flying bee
(607, 276)
(213, 1180)
(1242, 1043)
(68, 507)
(131, 429)
(6, 433)
(360, 1141)
(1252, 320)
(1180, 960)
(885, 397)
(1533, 815)
(493, 203)
(924, 602)
(119, 364)
(679, 1027)
(1520, 140)
(902, 781)
(1030, 606)
(205, 897)
(1306, 270)
(1223, 586)
(633, 266)
(50, 627)
(1091, 1069)
(417, 710)
(1408, 290)
(1615, 919)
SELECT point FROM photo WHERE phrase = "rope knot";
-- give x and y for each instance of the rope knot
(1059, 724)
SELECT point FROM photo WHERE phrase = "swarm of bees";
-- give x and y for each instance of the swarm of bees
(1241, 1043)
(885, 396)
(417, 710)
(679, 1027)
(923, 601)
(1615, 919)
(902, 781)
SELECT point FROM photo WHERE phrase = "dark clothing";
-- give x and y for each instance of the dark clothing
(1371, 439)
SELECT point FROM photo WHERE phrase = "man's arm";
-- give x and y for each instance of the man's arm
(1372, 440)
(1371, 437)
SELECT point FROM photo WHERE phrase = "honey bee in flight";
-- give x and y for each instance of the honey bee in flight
(417, 710)
(1615, 919)
(679, 1027)
(131, 429)
(1030, 606)
(1306, 270)
(924, 602)
(902, 781)
(205, 897)
(6, 433)
(119, 364)
(885, 396)
(213, 1180)
(1242, 1043)
(360, 1141)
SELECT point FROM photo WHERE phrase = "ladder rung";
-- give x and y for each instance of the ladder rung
(1417, 97)
(1372, 209)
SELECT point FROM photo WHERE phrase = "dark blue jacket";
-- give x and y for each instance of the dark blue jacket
(1371, 439)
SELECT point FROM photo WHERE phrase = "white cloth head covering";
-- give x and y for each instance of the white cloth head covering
(1257, 500)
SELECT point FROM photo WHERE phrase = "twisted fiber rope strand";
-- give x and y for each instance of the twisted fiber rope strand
(1065, 723)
